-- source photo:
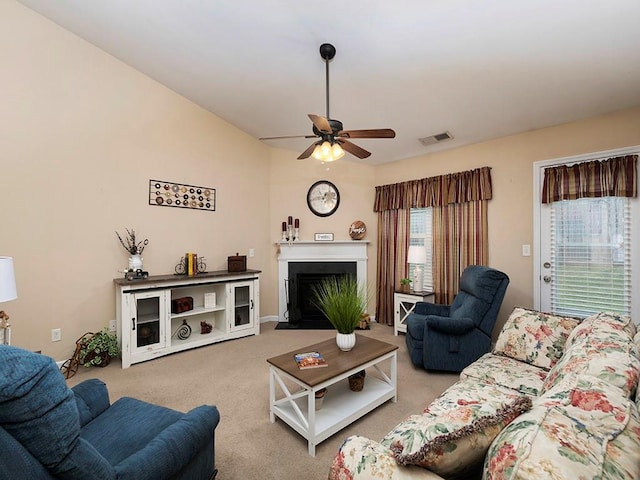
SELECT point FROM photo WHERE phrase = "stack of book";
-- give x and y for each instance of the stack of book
(191, 263)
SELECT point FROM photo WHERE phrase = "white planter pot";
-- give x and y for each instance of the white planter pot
(346, 341)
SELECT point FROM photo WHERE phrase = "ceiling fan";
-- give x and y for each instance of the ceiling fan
(332, 139)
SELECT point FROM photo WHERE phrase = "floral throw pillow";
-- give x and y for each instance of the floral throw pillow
(453, 445)
(534, 337)
(583, 428)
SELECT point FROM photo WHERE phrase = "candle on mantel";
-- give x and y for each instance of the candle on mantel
(297, 223)
(284, 226)
(290, 220)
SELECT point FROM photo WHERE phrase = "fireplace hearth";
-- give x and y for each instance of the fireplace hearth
(303, 277)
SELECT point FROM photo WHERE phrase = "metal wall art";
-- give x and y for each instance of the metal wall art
(170, 194)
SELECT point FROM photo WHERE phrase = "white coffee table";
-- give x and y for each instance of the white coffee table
(341, 406)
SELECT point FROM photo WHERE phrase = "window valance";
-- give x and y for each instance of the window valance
(614, 177)
(437, 191)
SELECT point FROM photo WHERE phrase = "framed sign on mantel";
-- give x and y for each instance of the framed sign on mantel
(172, 194)
(323, 237)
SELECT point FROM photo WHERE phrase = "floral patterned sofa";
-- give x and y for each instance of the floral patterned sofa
(557, 398)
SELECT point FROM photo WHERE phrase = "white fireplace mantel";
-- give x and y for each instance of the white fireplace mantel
(304, 251)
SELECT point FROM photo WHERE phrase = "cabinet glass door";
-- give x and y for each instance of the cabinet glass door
(148, 321)
(242, 311)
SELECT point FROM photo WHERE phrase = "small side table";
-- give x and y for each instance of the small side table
(403, 305)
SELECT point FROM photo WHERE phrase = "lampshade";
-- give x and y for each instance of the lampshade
(7, 280)
(417, 254)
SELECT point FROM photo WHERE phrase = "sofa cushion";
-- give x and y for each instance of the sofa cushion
(582, 428)
(39, 410)
(601, 346)
(534, 337)
(507, 372)
(612, 363)
(451, 437)
(604, 324)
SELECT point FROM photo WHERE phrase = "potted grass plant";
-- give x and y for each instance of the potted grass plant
(343, 301)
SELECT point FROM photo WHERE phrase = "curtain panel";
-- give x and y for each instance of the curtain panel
(460, 239)
(438, 191)
(460, 231)
(614, 177)
(393, 244)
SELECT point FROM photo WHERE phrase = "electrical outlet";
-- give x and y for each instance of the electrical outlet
(56, 334)
(112, 325)
(251, 252)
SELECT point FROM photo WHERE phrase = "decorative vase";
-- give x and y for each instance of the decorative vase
(346, 341)
(135, 262)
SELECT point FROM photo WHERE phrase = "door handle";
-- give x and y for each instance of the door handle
(547, 279)
(133, 323)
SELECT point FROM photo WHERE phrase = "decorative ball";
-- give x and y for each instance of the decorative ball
(357, 230)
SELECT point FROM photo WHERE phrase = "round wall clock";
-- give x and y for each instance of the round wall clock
(323, 198)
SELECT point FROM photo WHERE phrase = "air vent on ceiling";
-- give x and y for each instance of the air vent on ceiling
(438, 137)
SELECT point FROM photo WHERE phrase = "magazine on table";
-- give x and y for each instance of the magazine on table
(310, 360)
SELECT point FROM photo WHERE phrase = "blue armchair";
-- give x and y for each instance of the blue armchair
(450, 337)
(49, 431)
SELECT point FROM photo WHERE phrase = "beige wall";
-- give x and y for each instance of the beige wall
(81, 134)
(511, 160)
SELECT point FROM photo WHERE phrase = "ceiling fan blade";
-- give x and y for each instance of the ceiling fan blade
(373, 133)
(321, 123)
(287, 136)
(353, 149)
(307, 153)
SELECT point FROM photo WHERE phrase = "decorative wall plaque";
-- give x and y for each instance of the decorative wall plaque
(171, 194)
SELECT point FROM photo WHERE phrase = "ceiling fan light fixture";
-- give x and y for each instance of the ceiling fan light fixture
(316, 153)
(337, 151)
(325, 149)
(328, 151)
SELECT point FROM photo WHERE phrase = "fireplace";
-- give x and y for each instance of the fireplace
(303, 263)
(303, 277)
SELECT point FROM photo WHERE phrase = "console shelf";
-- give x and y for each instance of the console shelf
(147, 329)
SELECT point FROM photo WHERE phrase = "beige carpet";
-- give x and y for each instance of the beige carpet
(234, 376)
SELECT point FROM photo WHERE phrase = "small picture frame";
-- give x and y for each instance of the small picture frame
(323, 237)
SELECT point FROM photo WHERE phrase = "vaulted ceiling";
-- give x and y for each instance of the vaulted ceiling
(476, 69)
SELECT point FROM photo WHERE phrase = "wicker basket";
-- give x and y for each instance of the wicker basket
(356, 381)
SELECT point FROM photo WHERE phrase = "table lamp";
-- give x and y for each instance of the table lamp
(7, 292)
(418, 256)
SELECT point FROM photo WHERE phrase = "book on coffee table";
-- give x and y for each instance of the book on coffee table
(310, 360)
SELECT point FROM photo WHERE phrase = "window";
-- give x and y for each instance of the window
(591, 256)
(420, 233)
(586, 255)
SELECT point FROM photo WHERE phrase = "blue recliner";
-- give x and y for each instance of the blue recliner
(49, 431)
(450, 337)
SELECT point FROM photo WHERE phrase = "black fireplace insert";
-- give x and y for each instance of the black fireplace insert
(303, 276)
